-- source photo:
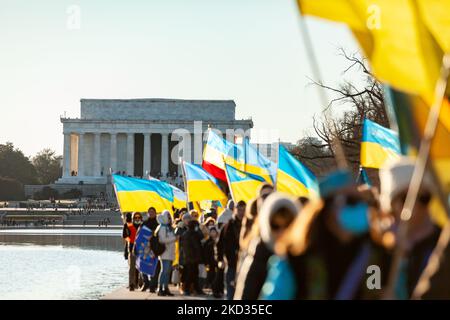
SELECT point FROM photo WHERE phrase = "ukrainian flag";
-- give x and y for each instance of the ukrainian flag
(200, 185)
(256, 163)
(293, 177)
(219, 151)
(179, 198)
(378, 145)
(135, 194)
(243, 185)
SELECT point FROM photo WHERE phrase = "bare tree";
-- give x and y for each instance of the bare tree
(364, 102)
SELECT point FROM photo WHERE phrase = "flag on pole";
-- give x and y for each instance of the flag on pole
(179, 198)
(293, 177)
(200, 185)
(217, 151)
(245, 157)
(378, 145)
(243, 185)
(135, 194)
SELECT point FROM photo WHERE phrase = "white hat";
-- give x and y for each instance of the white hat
(271, 205)
(395, 177)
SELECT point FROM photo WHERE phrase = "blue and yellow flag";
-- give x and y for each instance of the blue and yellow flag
(179, 198)
(256, 163)
(243, 185)
(378, 145)
(135, 194)
(200, 185)
(293, 177)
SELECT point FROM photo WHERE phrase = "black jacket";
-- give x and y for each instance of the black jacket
(192, 247)
(210, 253)
(229, 242)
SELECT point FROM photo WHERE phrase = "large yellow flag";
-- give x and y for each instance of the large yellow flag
(403, 39)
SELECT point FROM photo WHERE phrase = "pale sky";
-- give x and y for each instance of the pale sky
(250, 51)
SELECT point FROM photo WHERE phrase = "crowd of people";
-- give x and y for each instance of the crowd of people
(280, 247)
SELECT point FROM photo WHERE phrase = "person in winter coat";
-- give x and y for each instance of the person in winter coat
(210, 258)
(191, 243)
(180, 229)
(277, 213)
(166, 236)
(229, 247)
(129, 235)
(226, 215)
(152, 224)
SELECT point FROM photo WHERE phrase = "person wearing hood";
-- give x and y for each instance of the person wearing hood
(325, 252)
(226, 215)
(229, 246)
(166, 236)
(129, 234)
(277, 213)
(152, 224)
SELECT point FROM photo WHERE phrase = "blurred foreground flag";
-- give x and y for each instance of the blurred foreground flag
(293, 177)
(243, 185)
(378, 145)
(404, 40)
(135, 194)
(200, 185)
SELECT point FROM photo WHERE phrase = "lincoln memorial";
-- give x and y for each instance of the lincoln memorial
(136, 136)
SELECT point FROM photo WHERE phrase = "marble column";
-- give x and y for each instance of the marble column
(81, 155)
(113, 149)
(67, 155)
(147, 154)
(97, 159)
(130, 154)
(164, 153)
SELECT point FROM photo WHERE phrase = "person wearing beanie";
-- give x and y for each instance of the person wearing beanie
(277, 213)
(422, 232)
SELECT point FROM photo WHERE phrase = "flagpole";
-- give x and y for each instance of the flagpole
(339, 149)
(418, 174)
(185, 184)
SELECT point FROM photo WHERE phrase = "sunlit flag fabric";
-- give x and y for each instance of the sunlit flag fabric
(378, 145)
(243, 185)
(200, 185)
(218, 151)
(245, 157)
(293, 177)
(179, 198)
(257, 163)
(135, 194)
(404, 40)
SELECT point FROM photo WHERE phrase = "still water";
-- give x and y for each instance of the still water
(61, 264)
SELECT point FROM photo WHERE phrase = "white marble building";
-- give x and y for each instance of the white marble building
(136, 136)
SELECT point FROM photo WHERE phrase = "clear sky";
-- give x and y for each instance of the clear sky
(250, 51)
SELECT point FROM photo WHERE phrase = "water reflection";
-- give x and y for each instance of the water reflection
(94, 242)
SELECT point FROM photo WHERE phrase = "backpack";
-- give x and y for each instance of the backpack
(156, 246)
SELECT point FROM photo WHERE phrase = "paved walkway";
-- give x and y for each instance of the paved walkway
(125, 294)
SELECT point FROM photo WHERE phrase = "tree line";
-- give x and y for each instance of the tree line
(16, 170)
